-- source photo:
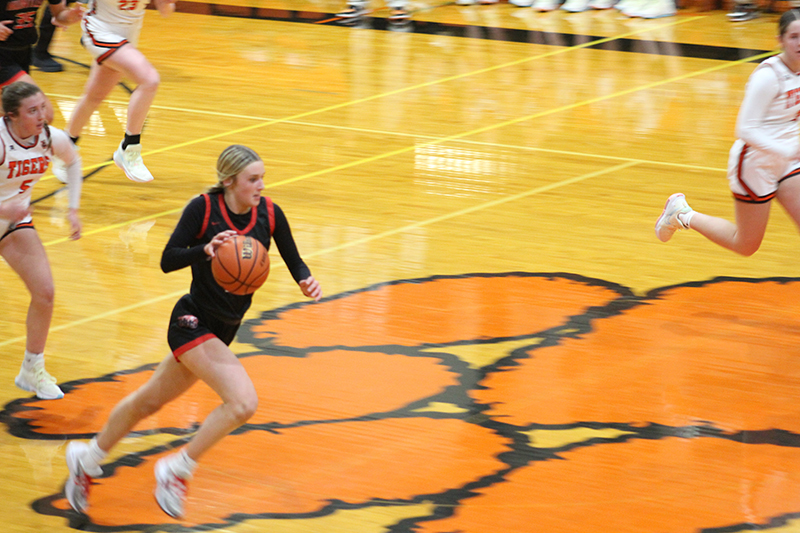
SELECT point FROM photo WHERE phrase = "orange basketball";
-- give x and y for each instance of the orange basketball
(240, 265)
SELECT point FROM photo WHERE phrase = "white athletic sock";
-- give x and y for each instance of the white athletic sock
(32, 359)
(183, 465)
(97, 454)
(685, 218)
(91, 461)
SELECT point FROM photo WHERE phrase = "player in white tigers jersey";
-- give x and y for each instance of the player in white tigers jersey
(24, 161)
(114, 12)
(110, 33)
(765, 159)
(26, 147)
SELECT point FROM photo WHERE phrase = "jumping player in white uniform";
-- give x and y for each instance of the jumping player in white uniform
(27, 145)
(110, 33)
(765, 159)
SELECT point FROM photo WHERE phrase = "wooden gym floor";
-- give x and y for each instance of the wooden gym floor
(504, 345)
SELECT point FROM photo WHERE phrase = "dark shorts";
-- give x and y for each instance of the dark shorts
(188, 328)
(14, 64)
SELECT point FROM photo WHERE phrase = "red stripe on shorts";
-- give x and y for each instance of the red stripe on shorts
(189, 345)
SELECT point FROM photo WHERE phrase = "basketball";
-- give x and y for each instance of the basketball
(240, 265)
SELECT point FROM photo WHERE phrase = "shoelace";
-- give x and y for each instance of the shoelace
(133, 157)
(40, 375)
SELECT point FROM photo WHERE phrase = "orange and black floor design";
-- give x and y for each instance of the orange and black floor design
(485, 403)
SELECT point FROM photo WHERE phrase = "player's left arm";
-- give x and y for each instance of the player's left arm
(65, 150)
(288, 250)
(311, 288)
(165, 7)
(63, 15)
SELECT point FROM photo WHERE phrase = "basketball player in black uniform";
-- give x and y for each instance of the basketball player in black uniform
(203, 324)
(18, 35)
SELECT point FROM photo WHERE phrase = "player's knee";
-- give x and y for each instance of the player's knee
(94, 100)
(244, 408)
(44, 294)
(144, 405)
(748, 247)
(748, 250)
(150, 81)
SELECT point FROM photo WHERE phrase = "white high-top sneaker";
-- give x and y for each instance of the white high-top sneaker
(545, 5)
(654, 9)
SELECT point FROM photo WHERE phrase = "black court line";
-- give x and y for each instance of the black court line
(665, 48)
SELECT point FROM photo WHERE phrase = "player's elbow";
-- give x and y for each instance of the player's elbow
(165, 263)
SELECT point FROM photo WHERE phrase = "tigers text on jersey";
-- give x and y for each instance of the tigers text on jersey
(22, 162)
(117, 11)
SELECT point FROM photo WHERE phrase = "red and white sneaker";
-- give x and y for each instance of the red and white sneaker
(170, 488)
(669, 222)
(79, 482)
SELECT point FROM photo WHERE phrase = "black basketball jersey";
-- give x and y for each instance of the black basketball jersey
(23, 13)
(204, 217)
(258, 223)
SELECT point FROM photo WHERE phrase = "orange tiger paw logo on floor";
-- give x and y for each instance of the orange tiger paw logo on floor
(507, 402)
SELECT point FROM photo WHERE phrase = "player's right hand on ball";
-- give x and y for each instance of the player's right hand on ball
(218, 240)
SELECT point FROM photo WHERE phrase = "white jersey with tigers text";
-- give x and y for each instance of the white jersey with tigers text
(768, 117)
(22, 162)
(117, 11)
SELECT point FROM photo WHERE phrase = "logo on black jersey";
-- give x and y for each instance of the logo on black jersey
(247, 248)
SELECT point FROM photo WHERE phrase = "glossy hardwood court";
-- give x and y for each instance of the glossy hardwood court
(504, 346)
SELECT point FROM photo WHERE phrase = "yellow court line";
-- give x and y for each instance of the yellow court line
(423, 136)
(449, 138)
(101, 316)
(422, 85)
(397, 91)
(474, 208)
(410, 88)
(117, 225)
(520, 147)
(517, 120)
(406, 228)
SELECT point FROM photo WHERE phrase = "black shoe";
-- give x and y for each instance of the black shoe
(46, 64)
(743, 12)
